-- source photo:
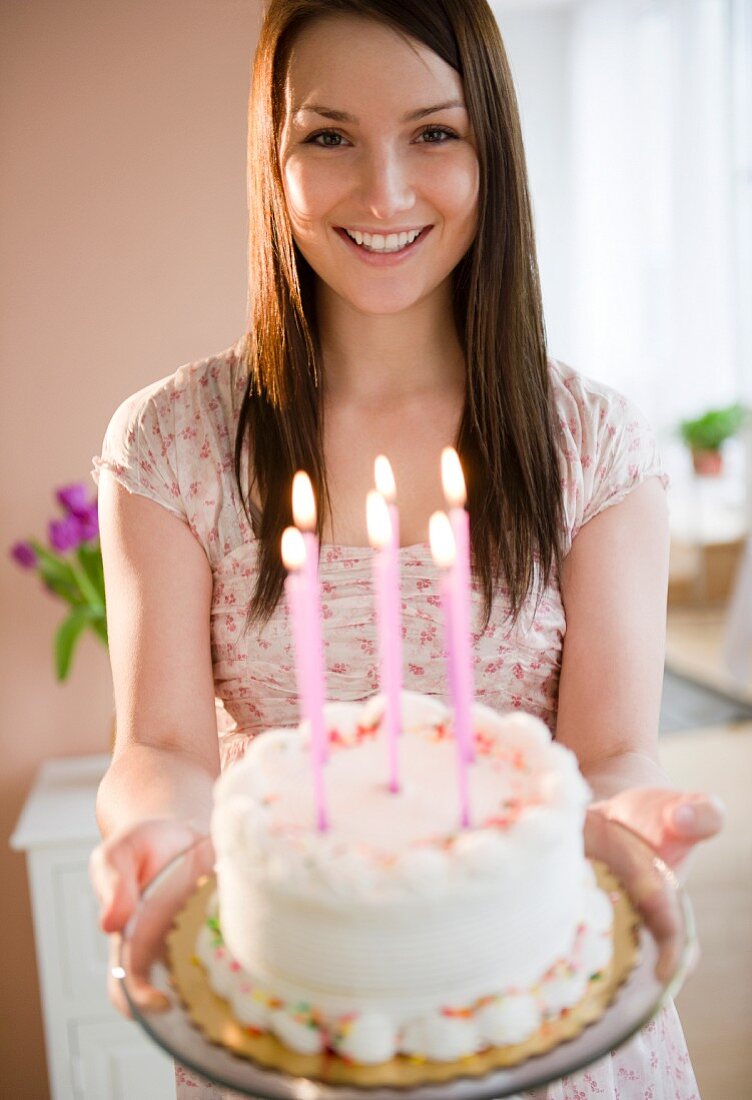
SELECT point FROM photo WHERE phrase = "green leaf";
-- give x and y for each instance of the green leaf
(65, 590)
(71, 574)
(709, 431)
(99, 626)
(67, 636)
(52, 567)
(90, 558)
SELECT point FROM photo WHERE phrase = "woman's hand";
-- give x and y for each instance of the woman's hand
(672, 822)
(119, 869)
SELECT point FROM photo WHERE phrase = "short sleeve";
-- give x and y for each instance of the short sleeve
(608, 447)
(139, 447)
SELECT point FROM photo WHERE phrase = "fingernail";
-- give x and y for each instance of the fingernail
(685, 817)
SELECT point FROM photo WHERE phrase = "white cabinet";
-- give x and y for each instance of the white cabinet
(93, 1053)
(113, 1061)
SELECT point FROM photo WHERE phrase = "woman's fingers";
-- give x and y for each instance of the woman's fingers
(113, 872)
(615, 842)
(119, 868)
(687, 820)
(695, 817)
(114, 984)
(146, 997)
(672, 822)
(128, 860)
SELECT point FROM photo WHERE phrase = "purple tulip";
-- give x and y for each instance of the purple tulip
(65, 534)
(88, 523)
(73, 498)
(23, 553)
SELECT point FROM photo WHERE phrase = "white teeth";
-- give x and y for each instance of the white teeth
(377, 242)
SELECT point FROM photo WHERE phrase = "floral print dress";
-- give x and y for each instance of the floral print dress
(173, 441)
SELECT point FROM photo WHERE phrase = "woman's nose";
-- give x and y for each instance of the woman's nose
(387, 188)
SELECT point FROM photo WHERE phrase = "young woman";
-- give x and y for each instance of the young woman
(394, 307)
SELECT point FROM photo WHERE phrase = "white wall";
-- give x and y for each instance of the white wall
(538, 44)
(637, 120)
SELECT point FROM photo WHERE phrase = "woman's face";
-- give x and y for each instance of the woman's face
(376, 150)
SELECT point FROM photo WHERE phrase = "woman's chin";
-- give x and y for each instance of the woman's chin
(380, 302)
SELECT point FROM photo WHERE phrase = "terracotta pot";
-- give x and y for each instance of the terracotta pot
(707, 463)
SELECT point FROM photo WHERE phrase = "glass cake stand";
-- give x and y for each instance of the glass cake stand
(667, 948)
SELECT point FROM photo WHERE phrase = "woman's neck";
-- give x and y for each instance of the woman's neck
(380, 358)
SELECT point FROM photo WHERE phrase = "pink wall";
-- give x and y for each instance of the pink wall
(122, 190)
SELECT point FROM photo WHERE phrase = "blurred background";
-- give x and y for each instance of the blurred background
(123, 213)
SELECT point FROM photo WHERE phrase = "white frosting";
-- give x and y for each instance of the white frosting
(303, 1037)
(563, 988)
(440, 1038)
(367, 934)
(510, 1019)
(248, 1007)
(370, 1037)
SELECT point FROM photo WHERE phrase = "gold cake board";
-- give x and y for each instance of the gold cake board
(213, 1015)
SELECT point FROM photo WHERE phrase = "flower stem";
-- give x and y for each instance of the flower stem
(88, 590)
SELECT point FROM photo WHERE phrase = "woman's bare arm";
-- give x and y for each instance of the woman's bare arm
(614, 585)
(158, 583)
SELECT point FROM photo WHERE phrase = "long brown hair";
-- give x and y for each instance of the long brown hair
(506, 439)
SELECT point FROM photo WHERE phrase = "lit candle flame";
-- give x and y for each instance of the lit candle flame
(303, 503)
(452, 478)
(293, 549)
(384, 477)
(443, 547)
(378, 520)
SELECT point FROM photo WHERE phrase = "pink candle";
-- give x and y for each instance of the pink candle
(385, 484)
(298, 593)
(304, 514)
(444, 555)
(386, 591)
(454, 490)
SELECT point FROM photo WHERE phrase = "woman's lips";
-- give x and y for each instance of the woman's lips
(383, 259)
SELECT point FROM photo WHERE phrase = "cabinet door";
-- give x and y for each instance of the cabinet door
(116, 1061)
(71, 947)
(82, 946)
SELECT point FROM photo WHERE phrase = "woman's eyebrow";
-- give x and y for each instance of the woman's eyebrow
(343, 116)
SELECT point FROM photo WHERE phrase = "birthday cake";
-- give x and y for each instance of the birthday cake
(395, 931)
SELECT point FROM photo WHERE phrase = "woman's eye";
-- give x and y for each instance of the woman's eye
(331, 138)
(437, 135)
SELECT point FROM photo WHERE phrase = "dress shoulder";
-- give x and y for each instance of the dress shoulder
(173, 440)
(607, 446)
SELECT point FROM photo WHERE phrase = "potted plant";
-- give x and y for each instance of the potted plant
(71, 569)
(706, 434)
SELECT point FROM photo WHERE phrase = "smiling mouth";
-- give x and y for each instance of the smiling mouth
(384, 243)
